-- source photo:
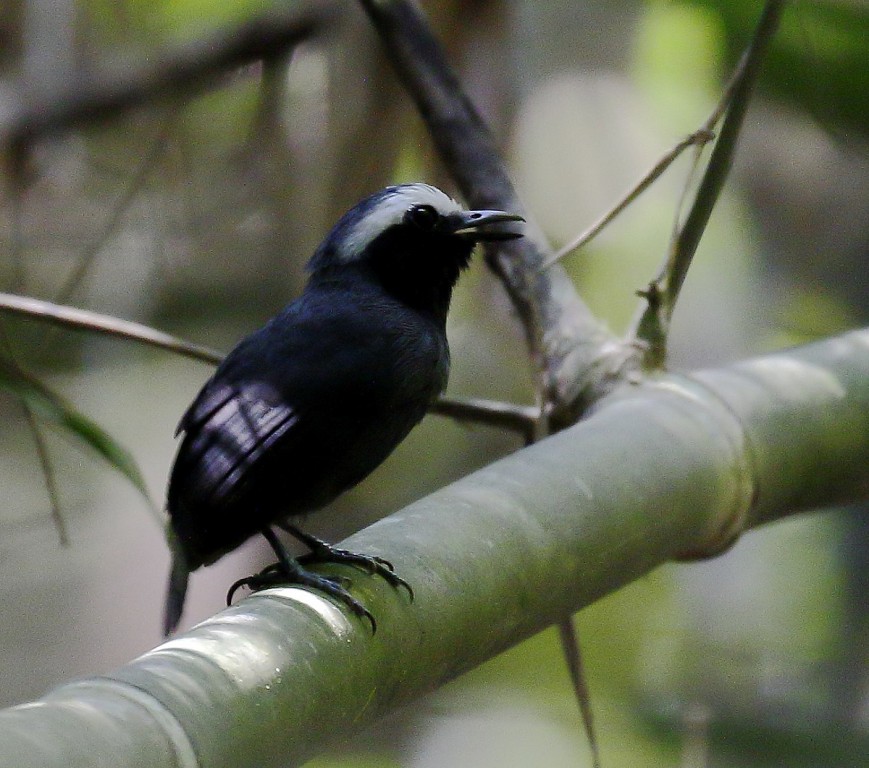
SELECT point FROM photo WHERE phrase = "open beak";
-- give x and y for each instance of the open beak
(474, 225)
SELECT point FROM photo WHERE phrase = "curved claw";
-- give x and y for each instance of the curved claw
(236, 585)
(396, 581)
(276, 575)
(371, 564)
(270, 576)
(384, 562)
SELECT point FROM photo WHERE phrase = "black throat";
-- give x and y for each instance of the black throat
(420, 272)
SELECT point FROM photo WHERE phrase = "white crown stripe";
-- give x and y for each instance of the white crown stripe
(390, 211)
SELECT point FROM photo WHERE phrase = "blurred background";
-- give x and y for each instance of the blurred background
(196, 213)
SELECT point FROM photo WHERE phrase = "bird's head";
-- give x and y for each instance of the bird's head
(413, 239)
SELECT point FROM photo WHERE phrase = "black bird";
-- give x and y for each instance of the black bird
(307, 406)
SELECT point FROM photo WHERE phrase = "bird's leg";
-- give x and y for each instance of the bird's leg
(323, 552)
(288, 571)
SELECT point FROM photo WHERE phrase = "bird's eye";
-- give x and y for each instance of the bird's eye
(425, 217)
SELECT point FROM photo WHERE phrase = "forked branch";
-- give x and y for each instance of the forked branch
(653, 324)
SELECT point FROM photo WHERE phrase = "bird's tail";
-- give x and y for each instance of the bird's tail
(176, 590)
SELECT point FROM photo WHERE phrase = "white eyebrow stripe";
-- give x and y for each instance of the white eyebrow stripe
(390, 211)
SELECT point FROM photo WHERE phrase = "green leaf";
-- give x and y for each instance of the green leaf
(51, 408)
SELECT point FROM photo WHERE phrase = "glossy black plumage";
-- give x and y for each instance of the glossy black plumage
(304, 408)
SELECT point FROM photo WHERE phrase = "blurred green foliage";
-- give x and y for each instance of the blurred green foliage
(818, 60)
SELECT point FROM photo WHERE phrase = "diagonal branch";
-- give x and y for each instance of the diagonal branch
(187, 69)
(697, 139)
(573, 353)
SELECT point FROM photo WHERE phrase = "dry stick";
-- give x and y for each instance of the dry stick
(652, 326)
(517, 418)
(699, 139)
(83, 319)
(709, 126)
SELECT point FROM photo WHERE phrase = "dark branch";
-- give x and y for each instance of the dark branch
(523, 419)
(571, 350)
(112, 90)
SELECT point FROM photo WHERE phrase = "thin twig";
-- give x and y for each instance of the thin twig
(522, 419)
(709, 128)
(517, 418)
(573, 657)
(83, 319)
(47, 473)
(662, 293)
(699, 139)
(42, 453)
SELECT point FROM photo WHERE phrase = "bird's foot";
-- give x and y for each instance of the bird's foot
(323, 552)
(283, 574)
(372, 565)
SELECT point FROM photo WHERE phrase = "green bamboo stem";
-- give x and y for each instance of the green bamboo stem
(663, 469)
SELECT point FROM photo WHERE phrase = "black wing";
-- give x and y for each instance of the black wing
(228, 429)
